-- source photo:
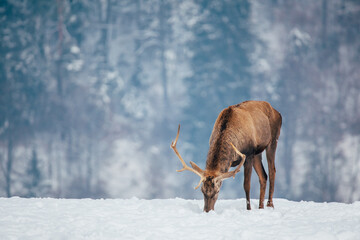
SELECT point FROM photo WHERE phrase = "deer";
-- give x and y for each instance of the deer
(240, 134)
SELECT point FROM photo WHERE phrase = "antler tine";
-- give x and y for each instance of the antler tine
(234, 172)
(185, 166)
(173, 143)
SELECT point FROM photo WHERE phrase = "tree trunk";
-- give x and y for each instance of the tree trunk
(60, 46)
(163, 60)
(324, 24)
(9, 167)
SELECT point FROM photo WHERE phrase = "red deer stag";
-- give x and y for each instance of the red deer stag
(240, 134)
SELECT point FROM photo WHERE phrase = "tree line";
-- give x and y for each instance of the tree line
(91, 93)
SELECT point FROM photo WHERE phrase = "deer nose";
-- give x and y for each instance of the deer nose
(209, 204)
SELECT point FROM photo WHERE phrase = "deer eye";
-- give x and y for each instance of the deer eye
(214, 194)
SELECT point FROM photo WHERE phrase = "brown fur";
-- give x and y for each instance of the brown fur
(252, 127)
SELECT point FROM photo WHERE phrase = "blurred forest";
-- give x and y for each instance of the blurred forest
(92, 92)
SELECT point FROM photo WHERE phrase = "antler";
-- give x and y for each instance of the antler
(234, 172)
(195, 169)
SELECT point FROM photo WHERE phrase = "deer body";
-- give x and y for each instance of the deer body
(240, 134)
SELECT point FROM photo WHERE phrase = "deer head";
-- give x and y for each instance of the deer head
(211, 180)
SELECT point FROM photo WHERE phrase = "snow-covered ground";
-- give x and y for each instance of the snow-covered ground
(175, 219)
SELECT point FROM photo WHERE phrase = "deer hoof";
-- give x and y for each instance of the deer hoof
(270, 204)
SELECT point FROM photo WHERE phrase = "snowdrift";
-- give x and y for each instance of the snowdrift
(175, 219)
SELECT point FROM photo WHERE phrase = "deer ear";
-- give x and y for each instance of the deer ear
(225, 176)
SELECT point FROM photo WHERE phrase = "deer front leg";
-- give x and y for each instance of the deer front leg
(247, 181)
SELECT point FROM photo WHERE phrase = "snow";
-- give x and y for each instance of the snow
(175, 219)
(301, 38)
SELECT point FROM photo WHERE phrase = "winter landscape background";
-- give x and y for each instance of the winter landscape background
(92, 92)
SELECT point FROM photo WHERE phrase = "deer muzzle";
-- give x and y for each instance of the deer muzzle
(209, 203)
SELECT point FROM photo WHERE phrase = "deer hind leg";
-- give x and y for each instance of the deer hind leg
(247, 181)
(270, 156)
(260, 171)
